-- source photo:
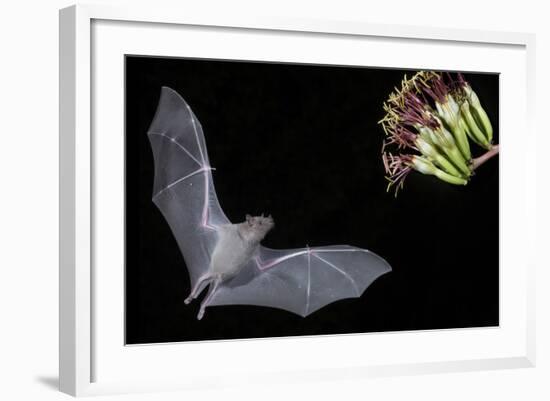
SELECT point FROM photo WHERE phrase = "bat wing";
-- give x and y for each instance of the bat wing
(183, 188)
(302, 280)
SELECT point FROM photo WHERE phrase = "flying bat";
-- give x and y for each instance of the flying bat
(229, 258)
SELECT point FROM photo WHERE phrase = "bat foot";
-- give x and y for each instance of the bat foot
(200, 315)
(188, 300)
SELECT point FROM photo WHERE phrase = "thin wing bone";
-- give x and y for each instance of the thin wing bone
(183, 187)
(302, 280)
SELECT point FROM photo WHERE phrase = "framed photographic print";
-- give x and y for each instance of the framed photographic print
(241, 190)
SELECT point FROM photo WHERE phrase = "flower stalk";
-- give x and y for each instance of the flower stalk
(435, 115)
(478, 161)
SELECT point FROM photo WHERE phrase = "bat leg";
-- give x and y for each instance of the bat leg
(213, 287)
(197, 288)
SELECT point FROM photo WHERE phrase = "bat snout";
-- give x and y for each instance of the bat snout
(268, 221)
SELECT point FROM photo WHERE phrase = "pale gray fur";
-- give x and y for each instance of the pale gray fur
(236, 246)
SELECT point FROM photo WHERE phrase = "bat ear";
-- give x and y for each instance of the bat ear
(248, 217)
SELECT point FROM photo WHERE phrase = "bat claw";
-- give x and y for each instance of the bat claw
(200, 315)
(188, 300)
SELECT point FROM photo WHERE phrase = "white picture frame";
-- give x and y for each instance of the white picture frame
(91, 41)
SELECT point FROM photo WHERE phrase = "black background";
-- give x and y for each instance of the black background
(302, 142)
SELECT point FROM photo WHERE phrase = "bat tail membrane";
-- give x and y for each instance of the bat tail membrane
(183, 188)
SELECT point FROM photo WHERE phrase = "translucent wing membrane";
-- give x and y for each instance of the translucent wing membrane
(303, 280)
(183, 188)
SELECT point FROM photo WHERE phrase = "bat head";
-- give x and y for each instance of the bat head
(259, 226)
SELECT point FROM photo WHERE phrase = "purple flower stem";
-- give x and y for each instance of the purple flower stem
(478, 161)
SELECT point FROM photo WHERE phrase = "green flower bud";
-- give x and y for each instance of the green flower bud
(473, 129)
(479, 114)
(444, 140)
(425, 166)
(432, 153)
(449, 112)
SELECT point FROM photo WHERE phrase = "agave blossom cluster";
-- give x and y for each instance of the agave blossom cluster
(429, 124)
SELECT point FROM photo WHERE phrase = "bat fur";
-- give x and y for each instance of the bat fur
(236, 246)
